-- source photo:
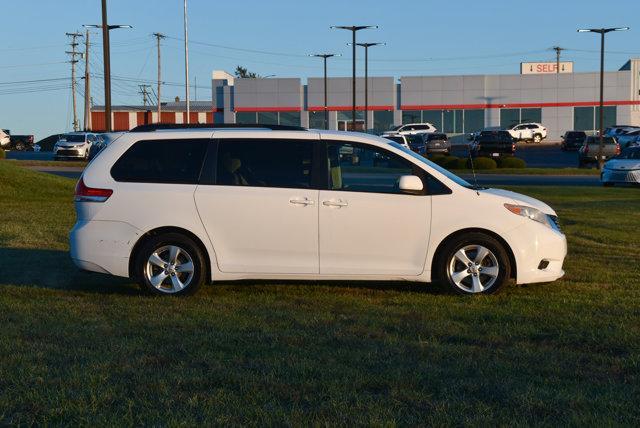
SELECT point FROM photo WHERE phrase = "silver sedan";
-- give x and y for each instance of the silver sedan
(624, 168)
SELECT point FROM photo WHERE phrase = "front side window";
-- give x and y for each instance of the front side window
(364, 169)
(161, 161)
(264, 163)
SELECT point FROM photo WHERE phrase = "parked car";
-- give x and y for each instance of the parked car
(102, 140)
(74, 145)
(589, 151)
(628, 139)
(624, 168)
(433, 142)
(9, 141)
(616, 130)
(413, 128)
(176, 209)
(5, 139)
(493, 144)
(572, 140)
(398, 138)
(534, 132)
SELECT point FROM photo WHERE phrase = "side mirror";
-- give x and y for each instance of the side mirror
(410, 184)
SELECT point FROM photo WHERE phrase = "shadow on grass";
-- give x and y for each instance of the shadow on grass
(54, 269)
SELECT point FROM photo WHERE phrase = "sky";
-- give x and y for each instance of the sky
(275, 37)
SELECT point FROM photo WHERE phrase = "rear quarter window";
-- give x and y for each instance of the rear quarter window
(162, 161)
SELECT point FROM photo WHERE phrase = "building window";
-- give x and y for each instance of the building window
(588, 118)
(411, 116)
(433, 117)
(382, 120)
(509, 117)
(268, 118)
(473, 120)
(531, 115)
(290, 118)
(316, 120)
(246, 117)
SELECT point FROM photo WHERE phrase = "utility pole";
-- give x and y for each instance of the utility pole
(186, 60)
(324, 60)
(87, 85)
(353, 29)
(366, 47)
(558, 49)
(72, 53)
(602, 32)
(158, 37)
(106, 59)
(144, 91)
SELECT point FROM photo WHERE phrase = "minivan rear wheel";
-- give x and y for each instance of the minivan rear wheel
(474, 263)
(171, 264)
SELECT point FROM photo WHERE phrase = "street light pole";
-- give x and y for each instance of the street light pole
(186, 59)
(366, 47)
(353, 29)
(324, 60)
(602, 32)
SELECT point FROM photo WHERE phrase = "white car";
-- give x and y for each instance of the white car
(528, 132)
(398, 138)
(5, 139)
(74, 145)
(624, 168)
(178, 208)
(412, 129)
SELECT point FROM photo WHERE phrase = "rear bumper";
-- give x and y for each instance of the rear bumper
(103, 246)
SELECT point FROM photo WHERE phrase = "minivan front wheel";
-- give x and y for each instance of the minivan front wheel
(475, 263)
(170, 264)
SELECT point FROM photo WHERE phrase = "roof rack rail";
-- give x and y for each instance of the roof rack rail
(162, 126)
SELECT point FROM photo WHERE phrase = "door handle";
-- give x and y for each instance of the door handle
(301, 201)
(335, 203)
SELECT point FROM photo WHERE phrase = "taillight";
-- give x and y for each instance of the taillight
(90, 194)
(617, 149)
(586, 149)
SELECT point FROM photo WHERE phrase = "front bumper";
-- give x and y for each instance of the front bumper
(620, 176)
(69, 152)
(539, 252)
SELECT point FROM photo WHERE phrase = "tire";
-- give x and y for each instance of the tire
(188, 255)
(486, 255)
(537, 138)
(19, 146)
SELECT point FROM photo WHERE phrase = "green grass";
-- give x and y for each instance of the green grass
(533, 171)
(60, 163)
(80, 348)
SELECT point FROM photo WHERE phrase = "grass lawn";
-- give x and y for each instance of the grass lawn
(47, 163)
(81, 348)
(533, 171)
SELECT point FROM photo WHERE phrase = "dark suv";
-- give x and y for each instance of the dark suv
(493, 144)
(572, 140)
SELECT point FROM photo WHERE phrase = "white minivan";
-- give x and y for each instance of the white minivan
(175, 207)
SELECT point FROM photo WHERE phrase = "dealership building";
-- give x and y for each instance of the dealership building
(456, 105)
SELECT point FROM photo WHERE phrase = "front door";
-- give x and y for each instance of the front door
(262, 212)
(367, 226)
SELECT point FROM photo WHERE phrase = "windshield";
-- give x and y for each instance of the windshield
(451, 176)
(73, 138)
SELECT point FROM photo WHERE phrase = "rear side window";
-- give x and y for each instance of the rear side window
(265, 163)
(161, 161)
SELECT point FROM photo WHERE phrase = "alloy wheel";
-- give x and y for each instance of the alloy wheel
(473, 268)
(169, 269)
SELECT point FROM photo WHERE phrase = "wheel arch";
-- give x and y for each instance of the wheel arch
(438, 252)
(169, 229)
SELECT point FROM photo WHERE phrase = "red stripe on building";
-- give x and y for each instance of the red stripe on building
(349, 108)
(516, 105)
(266, 109)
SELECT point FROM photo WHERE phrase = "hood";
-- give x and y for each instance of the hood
(624, 164)
(520, 199)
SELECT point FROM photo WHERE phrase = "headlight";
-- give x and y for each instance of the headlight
(534, 214)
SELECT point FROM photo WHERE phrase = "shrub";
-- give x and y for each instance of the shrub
(2, 155)
(484, 163)
(437, 158)
(450, 162)
(511, 162)
(463, 163)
